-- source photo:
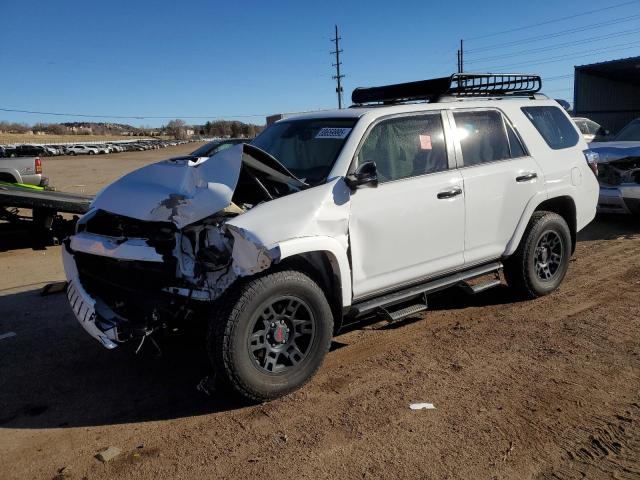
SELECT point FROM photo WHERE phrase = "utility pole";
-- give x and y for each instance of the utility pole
(458, 54)
(461, 55)
(338, 77)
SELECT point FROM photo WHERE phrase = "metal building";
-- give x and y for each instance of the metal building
(608, 92)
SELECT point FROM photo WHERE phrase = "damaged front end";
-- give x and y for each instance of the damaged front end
(156, 249)
(619, 178)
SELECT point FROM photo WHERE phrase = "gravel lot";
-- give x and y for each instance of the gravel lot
(544, 389)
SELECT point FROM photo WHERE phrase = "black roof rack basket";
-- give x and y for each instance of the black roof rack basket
(458, 84)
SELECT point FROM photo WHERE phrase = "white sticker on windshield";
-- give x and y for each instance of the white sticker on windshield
(331, 132)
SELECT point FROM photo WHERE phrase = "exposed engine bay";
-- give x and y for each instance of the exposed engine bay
(617, 172)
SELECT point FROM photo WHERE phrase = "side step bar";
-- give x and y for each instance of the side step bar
(384, 302)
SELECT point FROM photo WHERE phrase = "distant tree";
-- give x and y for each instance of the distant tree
(176, 128)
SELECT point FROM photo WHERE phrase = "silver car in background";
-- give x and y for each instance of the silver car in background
(619, 171)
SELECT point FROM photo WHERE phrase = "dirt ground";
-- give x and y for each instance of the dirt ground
(543, 389)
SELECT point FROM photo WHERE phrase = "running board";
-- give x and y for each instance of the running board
(479, 287)
(406, 311)
(373, 305)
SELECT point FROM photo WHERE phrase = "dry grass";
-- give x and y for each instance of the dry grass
(11, 138)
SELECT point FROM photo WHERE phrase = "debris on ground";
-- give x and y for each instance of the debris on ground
(63, 473)
(422, 406)
(207, 385)
(108, 454)
(55, 287)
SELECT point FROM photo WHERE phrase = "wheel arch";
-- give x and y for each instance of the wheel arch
(10, 176)
(563, 205)
(326, 260)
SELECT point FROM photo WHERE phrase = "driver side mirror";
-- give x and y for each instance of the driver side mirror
(365, 174)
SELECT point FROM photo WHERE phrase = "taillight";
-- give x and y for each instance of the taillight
(38, 165)
(592, 158)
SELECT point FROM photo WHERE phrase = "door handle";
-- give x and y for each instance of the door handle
(526, 177)
(450, 193)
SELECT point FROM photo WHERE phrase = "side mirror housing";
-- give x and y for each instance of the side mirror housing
(365, 174)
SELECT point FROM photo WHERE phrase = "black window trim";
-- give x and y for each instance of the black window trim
(448, 142)
(505, 120)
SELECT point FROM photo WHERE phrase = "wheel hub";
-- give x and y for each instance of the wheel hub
(548, 255)
(278, 333)
(281, 334)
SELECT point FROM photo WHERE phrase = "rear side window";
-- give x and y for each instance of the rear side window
(554, 126)
(406, 147)
(482, 136)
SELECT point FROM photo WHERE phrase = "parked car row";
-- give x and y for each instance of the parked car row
(84, 148)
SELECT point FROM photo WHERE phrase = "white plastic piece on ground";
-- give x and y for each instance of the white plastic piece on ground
(422, 406)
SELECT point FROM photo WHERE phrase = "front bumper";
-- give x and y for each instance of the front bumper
(624, 198)
(84, 306)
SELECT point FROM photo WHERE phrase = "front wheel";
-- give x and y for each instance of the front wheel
(272, 334)
(541, 261)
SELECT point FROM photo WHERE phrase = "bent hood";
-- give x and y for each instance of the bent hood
(611, 151)
(184, 190)
(181, 190)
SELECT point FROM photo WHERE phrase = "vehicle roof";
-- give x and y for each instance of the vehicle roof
(358, 111)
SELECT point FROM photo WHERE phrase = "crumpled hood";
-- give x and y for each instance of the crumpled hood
(611, 151)
(181, 190)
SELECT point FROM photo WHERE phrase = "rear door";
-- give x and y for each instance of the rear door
(499, 177)
(411, 225)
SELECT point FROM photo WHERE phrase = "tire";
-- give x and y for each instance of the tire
(72, 153)
(534, 269)
(245, 322)
(91, 152)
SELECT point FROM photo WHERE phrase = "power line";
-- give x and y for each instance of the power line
(561, 33)
(136, 117)
(558, 77)
(556, 45)
(554, 20)
(622, 46)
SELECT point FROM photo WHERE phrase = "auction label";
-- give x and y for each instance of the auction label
(331, 132)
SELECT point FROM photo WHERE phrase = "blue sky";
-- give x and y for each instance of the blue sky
(231, 59)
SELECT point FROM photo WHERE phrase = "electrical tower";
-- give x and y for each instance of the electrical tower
(338, 77)
(461, 57)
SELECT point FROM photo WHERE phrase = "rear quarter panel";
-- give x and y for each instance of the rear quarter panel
(566, 172)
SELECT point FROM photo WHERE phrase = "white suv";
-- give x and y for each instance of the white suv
(81, 150)
(330, 217)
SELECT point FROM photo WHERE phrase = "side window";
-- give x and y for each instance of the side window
(592, 127)
(554, 126)
(582, 126)
(406, 147)
(482, 136)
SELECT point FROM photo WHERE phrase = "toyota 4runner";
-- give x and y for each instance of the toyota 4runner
(329, 217)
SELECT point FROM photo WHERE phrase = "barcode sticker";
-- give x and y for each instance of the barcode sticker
(332, 132)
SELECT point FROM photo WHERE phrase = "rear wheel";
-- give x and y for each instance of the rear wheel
(541, 261)
(91, 152)
(272, 334)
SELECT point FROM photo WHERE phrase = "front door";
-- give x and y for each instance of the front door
(411, 225)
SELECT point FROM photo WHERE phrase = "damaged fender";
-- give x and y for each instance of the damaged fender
(285, 225)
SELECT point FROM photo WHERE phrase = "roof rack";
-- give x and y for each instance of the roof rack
(458, 84)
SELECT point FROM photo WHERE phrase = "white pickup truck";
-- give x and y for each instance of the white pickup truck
(25, 170)
(330, 217)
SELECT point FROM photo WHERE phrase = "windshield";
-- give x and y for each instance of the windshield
(307, 148)
(630, 133)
